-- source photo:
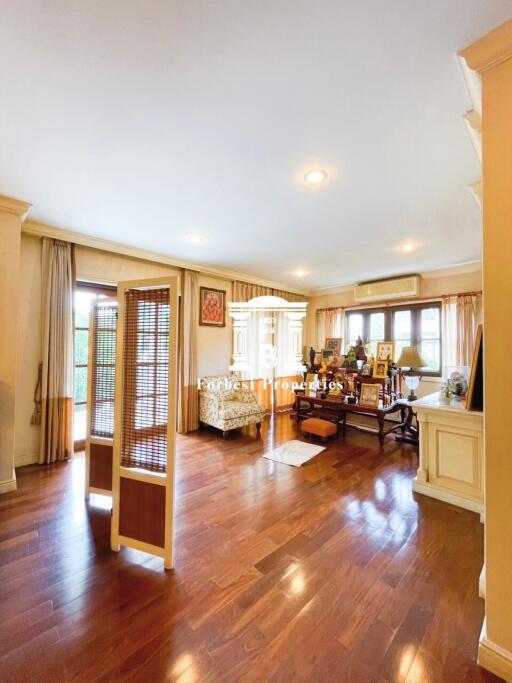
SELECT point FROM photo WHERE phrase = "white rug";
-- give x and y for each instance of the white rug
(294, 453)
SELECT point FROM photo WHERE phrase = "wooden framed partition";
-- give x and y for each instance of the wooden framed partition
(100, 397)
(145, 417)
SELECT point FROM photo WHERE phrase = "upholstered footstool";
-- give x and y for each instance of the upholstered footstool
(322, 428)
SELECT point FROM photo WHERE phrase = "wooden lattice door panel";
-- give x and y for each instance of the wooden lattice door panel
(145, 416)
(101, 396)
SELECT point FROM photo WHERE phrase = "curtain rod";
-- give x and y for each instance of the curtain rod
(388, 304)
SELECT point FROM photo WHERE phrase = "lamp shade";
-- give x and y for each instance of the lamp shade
(410, 358)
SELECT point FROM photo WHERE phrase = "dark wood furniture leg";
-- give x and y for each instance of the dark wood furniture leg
(410, 433)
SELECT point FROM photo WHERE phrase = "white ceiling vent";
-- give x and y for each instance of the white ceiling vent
(388, 290)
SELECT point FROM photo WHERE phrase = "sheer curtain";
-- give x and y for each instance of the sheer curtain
(459, 329)
(57, 385)
(330, 322)
(188, 415)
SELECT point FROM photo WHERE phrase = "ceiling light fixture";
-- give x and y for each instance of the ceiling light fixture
(196, 239)
(315, 176)
(300, 273)
(407, 247)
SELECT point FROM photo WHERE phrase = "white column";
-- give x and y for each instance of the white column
(295, 340)
(240, 330)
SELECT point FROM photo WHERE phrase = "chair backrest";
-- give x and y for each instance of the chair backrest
(219, 386)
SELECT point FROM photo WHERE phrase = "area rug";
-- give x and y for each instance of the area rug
(294, 453)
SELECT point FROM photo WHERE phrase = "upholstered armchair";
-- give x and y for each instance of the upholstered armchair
(225, 407)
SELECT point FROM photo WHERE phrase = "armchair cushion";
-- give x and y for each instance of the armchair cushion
(225, 407)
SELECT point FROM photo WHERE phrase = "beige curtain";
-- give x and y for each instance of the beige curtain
(330, 322)
(245, 291)
(58, 279)
(188, 409)
(459, 329)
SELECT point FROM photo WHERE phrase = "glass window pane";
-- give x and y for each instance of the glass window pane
(399, 345)
(377, 326)
(144, 413)
(79, 418)
(430, 323)
(355, 327)
(429, 350)
(402, 325)
(81, 347)
(145, 347)
(145, 380)
(83, 308)
(80, 384)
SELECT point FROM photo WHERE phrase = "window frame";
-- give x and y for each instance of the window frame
(98, 290)
(389, 312)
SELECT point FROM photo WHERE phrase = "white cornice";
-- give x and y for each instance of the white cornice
(14, 206)
(42, 230)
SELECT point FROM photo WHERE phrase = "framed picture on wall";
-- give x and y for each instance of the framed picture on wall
(212, 307)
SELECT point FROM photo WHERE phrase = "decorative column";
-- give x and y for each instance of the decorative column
(240, 328)
(491, 57)
(295, 340)
(12, 214)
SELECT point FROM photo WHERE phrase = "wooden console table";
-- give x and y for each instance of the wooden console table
(336, 411)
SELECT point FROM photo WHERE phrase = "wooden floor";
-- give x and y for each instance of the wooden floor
(333, 572)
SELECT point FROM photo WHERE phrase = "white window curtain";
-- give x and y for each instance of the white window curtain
(459, 330)
(330, 322)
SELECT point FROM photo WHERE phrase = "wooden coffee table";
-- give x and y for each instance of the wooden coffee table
(336, 411)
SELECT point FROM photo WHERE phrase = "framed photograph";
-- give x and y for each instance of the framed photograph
(212, 307)
(370, 395)
(333, 345)
(386, 350)
(326, 354)
(380, 369)
(318, 358)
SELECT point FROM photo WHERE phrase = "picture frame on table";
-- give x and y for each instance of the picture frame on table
(386, 350)
(380, 369)
(333, 344)
(370, 395)
(212, 307)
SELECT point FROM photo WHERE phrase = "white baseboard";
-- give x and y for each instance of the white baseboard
(446, 496)
(8, 484)
(494, 658)
(23, 460)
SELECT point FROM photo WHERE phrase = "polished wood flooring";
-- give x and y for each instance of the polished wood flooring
(332, 572)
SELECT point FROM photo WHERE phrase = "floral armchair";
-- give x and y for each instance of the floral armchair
(226, 405)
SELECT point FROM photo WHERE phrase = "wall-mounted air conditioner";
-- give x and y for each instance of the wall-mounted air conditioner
(388, 290)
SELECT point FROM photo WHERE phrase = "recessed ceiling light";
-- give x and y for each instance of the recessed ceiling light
(315, 176)
(300, 272)
(408, 246)
(195, 239)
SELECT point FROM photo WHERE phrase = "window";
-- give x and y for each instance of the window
(85, 293)
(414, 325)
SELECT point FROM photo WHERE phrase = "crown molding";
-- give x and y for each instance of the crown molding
(456, 269)
(447, 271)
(490, 50)
(14, 206)
(37, 229)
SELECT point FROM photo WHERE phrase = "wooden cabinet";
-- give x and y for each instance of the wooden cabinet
(451, 453)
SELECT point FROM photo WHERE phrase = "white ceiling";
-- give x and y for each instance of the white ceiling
(145, 122)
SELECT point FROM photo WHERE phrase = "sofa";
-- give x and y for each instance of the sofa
(225, 405)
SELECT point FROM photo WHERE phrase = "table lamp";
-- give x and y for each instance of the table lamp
(410, 358)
